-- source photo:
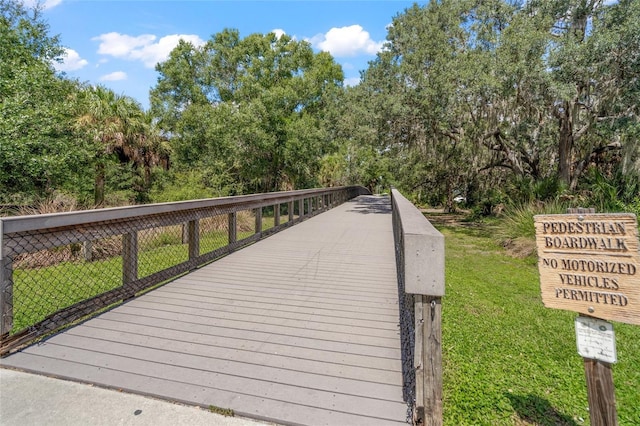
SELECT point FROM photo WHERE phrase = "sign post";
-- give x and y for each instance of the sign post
(589, 263)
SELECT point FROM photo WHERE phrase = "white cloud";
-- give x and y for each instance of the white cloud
(278, 32)
(47, 4)
(71, 61)
(114, 76)
(352, 81)
(142, 48)
(346, 41)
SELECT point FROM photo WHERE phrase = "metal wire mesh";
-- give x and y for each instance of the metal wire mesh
(407, 322)
(65, 273)
(214, 233)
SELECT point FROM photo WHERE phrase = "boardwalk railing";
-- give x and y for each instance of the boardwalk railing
(420, 265)
(58, 268)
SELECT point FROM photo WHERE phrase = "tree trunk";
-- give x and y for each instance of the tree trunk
(565, 145)
(98, 189)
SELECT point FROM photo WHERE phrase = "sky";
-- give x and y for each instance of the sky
(117, 43)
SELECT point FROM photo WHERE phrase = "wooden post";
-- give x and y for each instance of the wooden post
(300, 208)
(129, 257)
(290, 208)
(428, 311)
(259, 220)
(87, 247)
(276, 215)
(600, 393)
(6, 295)
(233, 222)
(193, 238)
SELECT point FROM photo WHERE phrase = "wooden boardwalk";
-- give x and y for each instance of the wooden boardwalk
(300, 328)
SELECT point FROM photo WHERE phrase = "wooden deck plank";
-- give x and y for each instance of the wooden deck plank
(348, 312)
(229, 371)
(266, 282)
(337, 303)
(300, 341)
(290, 329)
(297, 321)
(305, 294)
(300, 315)
(300, 328)
(356, 355)
(334, 369)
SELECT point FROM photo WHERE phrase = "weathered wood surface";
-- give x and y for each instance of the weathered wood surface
(299, 328)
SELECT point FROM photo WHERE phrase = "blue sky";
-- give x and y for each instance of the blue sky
(117, 43)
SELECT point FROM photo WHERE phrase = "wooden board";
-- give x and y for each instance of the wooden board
(589, 263)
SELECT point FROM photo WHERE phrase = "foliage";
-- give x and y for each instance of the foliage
(250, 109)
(496, 102)
(121, 134)
(38, 152)
(470, 96)
(187, 185)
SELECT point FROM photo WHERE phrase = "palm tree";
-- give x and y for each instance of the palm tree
(118, 125)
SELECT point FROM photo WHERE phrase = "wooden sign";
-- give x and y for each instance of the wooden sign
(589, 263)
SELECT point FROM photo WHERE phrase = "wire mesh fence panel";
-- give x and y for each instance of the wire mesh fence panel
(46, 281)
(268, 222)
(214, 233)
(246, 224)
(161, 248)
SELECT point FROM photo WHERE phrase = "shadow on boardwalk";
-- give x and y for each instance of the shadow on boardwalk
(372, 205)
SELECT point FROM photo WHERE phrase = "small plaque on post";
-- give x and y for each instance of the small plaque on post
(595, 339)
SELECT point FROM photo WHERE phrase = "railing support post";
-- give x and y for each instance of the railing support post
(290, 208)
(259, 220)
(6, 295)
(129, 258)
(233, 225)
(193, 238)
(276, 215)
(87, 248)
(428, 323)
(300, 208)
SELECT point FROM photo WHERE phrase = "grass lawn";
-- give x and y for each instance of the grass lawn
(39, 292)
(508, 360)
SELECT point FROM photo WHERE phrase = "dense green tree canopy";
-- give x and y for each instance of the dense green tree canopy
(492, 100)
(478, 95)
(251, 109)
(38, 153)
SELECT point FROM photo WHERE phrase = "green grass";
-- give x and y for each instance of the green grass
(40, 292)
(508, 360)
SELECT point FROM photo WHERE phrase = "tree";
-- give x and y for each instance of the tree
(595, 70)
(250, 109)
(38, 151)
(474, 95)
(120, 130)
